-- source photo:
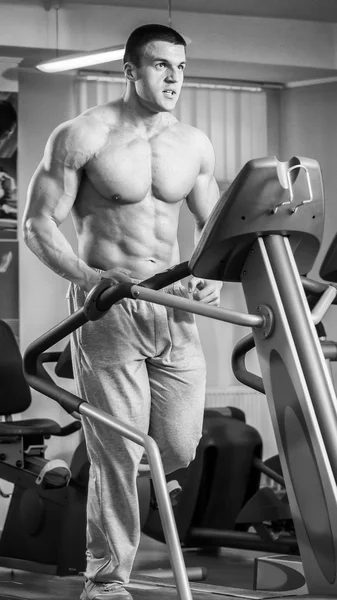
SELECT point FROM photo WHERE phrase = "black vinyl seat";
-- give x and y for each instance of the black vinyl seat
(44, 427)
(15, 395)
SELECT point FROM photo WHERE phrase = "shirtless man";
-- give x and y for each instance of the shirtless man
(123, 170)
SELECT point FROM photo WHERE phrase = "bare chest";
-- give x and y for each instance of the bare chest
(166, 168)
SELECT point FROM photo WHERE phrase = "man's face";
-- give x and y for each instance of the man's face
(160, 75)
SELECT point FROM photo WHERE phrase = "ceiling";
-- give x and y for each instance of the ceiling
(307, 10)
(324, 11)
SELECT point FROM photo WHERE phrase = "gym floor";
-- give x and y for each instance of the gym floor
(225, 567)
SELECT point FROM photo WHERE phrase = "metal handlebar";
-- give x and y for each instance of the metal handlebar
(315, 288)
(239, 365)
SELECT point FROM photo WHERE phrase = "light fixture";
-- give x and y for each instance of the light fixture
(81, 60)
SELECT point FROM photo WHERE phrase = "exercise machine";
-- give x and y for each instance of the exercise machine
(46, 522)
(46, 496)
(45, 526)
(221, 503)
(268, 228)
(220, 489)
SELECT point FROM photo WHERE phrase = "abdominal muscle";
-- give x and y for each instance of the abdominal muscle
(138, 236)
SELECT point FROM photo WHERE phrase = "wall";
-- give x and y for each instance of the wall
(308, 127)
(44, 102)
(231, 39)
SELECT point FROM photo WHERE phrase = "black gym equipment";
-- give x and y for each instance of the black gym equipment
(216, 506)
(44, 504)
(221, 497)
(45, 527)
(213, 494)
(268, 228)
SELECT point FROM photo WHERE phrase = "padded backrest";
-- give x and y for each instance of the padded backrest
(15, 396)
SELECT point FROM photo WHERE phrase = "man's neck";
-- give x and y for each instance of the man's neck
(141, 118)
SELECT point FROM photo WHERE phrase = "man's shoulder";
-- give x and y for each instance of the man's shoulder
(103, 115)
(193, 134)
(75, 141)
(86, 127)
(198, 139)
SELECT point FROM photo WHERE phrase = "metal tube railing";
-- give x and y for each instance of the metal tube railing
(72, 403)
(240, 371)
(198, 308)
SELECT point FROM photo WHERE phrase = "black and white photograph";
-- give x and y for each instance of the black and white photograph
(168, 292)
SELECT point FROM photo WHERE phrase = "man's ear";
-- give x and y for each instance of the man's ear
(130, 71)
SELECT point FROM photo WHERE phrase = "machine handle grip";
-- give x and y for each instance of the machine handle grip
(167, 277)
(100, 299)
(239, 365)
(107, 293)
(315, 288)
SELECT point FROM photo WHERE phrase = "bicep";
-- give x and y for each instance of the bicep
(203, 197)
(52, 191)
(54, 185)
(205, 193)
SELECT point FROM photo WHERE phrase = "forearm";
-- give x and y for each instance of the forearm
(47, 242)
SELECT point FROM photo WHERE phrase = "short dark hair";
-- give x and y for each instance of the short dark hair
(7, 116)
(144, 35)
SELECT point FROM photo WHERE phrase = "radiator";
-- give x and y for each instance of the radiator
(255, 407)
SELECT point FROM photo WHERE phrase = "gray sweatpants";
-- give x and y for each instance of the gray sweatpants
(143, 364)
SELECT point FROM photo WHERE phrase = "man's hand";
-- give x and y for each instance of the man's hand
(205, 290)
(118, 274)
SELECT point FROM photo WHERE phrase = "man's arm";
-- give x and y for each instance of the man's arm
(51, 195)
(201, 201)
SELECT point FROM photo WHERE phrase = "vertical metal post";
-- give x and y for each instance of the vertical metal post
(162, 495)
(309, 349)
(296, 381)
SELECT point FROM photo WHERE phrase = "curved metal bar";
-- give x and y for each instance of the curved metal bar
(310, 199)
(323, 304)
(315, 288)
(32, 365)
(239, 365)
(329, 350)
(263, 468)
(33, 370)
(162, 495)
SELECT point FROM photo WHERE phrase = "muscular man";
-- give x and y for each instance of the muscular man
(123, 170)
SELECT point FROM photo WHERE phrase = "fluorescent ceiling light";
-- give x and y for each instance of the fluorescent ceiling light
(81, 60)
